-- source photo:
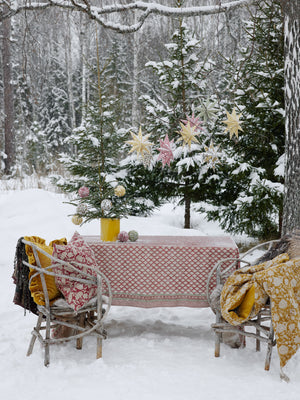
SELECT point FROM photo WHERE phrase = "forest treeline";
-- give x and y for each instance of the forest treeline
(63, 65)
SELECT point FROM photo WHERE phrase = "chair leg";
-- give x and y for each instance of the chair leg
(218, 335)
(34, 334)
(79, 341)
(270, 348)
(46, 341)
(47, 355)
(99, 347)
(217, 345)
(258, 333)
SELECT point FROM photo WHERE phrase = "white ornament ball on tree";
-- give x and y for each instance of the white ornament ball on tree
(81, 209)
(106, 205)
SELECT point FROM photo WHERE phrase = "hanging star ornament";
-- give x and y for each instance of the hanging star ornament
(211, 155)
(194, 122)
(165, 151)
(233, 123)
(140, 143)
(188, 135)
(207, 110)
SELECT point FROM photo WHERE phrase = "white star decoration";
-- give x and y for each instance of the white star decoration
(140, 143)
(188, 134)
(233, 123)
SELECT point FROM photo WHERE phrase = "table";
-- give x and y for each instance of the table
(161, 271)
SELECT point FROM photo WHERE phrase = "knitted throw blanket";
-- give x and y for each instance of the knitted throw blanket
(20, 275)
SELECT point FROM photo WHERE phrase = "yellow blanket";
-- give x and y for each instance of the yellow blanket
(247, 290)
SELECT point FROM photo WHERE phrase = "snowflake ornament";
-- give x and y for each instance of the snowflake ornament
(211, 155)
(207, 110)
(233, 123)
(194, 122)
(188, 135)
(165, 151)
(140, 143)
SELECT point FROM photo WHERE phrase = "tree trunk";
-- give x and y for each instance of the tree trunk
(8, 96)
(84, 60)
(135, 83)
(291, 207)
(187, 211)
(68, 58)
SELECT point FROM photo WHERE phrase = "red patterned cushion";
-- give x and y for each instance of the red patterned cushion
(77, 294)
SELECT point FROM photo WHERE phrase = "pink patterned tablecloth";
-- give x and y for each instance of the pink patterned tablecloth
(161, 271)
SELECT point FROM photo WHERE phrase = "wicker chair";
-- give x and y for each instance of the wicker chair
(260, 327)
(88, 320)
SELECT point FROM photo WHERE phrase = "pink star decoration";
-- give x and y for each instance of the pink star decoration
(194, 122)
(165, 151)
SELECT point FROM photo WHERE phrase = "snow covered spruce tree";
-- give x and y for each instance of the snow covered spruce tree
(53, 112)
(169, 111)
(250, 197)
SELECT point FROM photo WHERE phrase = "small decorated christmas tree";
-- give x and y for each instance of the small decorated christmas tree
(95, 164)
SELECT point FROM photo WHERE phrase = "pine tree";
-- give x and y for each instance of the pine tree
(182, 76)
(249, 199)
(36, 156)
(54, 116)
(118, 77)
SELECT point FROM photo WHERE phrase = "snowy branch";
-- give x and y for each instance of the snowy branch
(98, 13)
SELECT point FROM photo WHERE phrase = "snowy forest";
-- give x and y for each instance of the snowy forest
(209, 89)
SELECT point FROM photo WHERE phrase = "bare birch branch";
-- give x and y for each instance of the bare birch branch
(144, 9)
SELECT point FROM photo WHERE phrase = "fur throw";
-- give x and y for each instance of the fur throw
(289, 243)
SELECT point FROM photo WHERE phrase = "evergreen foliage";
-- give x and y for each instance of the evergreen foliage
(249, 198)
(54, 109)
(99, 144)
(118, 77)
(182, 76)
(95, 163)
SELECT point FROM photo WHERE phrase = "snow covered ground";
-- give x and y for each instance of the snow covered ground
(160, 353)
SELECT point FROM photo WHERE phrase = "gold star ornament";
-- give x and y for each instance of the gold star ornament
(188, 134)
(140, 143)
(233, 123)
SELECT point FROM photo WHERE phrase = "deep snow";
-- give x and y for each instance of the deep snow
(160, 353)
